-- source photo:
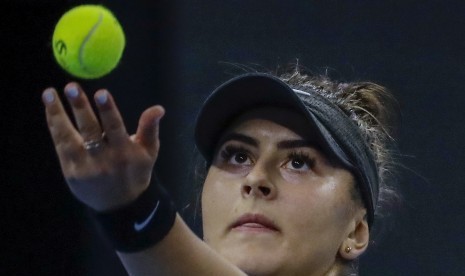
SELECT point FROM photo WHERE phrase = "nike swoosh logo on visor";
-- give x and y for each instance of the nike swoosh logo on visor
(139, 226)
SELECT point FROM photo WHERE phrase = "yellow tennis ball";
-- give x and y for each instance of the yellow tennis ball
(88, 41)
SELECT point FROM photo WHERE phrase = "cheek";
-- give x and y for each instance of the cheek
(322, 207)
(215, 190)
(342, 203)
(217, 202)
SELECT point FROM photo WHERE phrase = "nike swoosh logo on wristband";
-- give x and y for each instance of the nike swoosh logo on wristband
(139, 226)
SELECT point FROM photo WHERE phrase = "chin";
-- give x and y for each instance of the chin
(255, 263)
(255, 269)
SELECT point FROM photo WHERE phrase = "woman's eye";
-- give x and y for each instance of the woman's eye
(236, 156)
(240, 158)
(299, 163)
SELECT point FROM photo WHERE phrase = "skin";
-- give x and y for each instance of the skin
(309, 203)
(120, 171)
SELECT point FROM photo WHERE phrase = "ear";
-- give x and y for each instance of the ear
(358, 237)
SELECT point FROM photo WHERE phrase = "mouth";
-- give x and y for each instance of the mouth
(254, 223)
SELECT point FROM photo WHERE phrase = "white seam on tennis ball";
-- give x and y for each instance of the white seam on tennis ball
(88, 36)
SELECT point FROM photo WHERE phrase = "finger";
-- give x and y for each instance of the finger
(112, 122)
(147, 131)
(68, 142)
(84, 116)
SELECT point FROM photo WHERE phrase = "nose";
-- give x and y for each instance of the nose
(259, 183)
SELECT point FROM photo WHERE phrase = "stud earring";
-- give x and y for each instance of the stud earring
(348, 249)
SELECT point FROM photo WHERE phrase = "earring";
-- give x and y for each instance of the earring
(348, 249)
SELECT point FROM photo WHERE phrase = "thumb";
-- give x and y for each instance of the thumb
(147, 131)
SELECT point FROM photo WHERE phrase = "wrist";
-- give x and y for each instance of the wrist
(141, 223)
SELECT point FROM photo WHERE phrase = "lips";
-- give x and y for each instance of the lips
(254, 223)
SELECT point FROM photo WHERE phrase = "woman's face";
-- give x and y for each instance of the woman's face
(272, 203)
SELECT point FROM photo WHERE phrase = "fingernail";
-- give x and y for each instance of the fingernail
(102, 97)
(72, 92)
(48, 96)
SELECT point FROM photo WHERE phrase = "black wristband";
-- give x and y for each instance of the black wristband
(142, 223)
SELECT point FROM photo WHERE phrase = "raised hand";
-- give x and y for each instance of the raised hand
(104, 167)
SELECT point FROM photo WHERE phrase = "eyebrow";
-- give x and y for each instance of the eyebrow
(286, 144)
(299, 143)
(239, 137)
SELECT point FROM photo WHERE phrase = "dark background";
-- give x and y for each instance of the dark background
(177, 52)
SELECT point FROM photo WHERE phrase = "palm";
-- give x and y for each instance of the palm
(116, 172)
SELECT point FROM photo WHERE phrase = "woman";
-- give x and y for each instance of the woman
(296, 175)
